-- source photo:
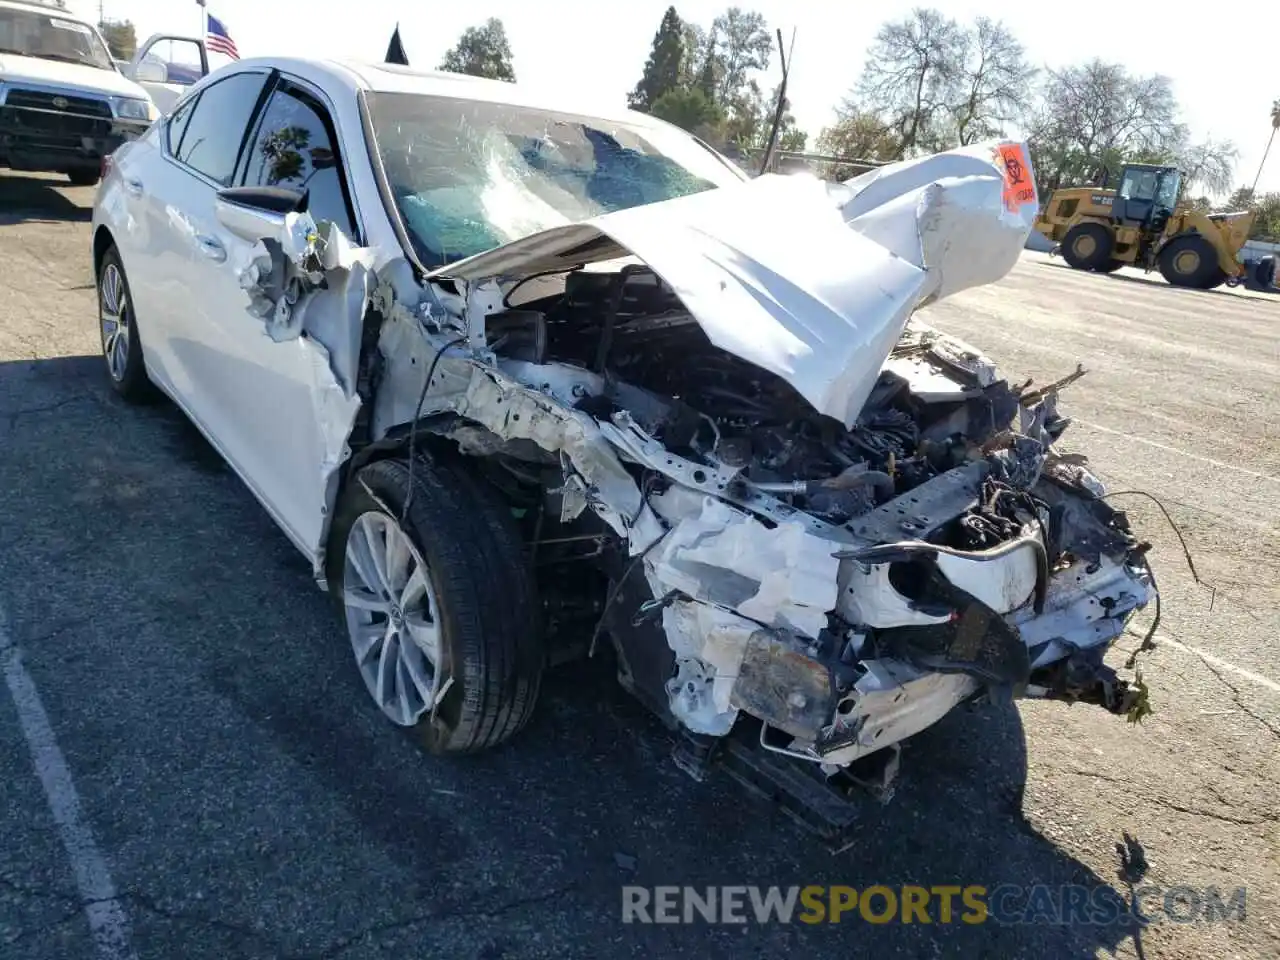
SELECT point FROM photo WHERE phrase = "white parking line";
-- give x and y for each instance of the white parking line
(107, 921)
(1218, 662)
(1182, 453)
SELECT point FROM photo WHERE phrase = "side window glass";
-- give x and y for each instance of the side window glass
(211, 141)
(177, 123)
(293, 149)
(180, 60)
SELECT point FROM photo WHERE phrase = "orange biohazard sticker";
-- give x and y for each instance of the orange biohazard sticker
(1018, 186)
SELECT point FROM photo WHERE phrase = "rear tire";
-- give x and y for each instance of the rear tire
(476, 618)
(1111, 266)
(83, 178)
(1192, 262)
(118, 330)
(1087, 246)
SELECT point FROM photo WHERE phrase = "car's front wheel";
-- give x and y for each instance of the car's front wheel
(117, 325)
(428, 572)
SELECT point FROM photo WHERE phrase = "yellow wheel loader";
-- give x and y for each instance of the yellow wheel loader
(1140, 224)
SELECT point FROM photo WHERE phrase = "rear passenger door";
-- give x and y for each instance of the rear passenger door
(170, 198)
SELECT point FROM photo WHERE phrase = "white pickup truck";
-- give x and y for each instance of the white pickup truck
(65, 104)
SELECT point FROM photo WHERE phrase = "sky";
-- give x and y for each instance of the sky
(1219, 65)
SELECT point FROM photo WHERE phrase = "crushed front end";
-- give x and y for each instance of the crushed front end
(808, 524)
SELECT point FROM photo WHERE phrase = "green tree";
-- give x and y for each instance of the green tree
(693, 53)
(689, 108)
(710, 70)
(662, 69)
(482, 52)
(741, 43)
(856, 136)
(121, 38)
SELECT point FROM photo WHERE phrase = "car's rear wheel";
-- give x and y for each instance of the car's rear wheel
(1087, 246)
(117, 325)
(438, 601)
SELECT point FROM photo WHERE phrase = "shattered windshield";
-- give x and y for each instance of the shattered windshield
(51, 37)
(469, 175)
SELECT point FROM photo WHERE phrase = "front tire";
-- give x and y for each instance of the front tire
(1191, 261)
(117, 325)
(1111, 266)
(440, 609)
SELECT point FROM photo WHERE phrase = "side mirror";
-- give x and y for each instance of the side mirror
(258, 213)
(150, 71)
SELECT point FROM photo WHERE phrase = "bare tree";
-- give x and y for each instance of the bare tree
(912, 75)
(1096, 116)
(1209, 165)
(995, 84)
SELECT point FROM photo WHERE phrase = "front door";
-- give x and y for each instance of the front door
(260, 397)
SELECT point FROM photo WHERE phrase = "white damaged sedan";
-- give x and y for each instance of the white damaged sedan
(525, 378)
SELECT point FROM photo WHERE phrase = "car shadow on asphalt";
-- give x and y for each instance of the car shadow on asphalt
(234, 639)
(24, 199)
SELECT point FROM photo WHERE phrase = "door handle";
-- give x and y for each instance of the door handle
(211, 248)
(133, 187)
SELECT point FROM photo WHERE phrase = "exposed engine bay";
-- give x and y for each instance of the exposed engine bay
(946, 476)
(790, 506)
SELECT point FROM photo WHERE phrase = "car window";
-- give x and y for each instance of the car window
(213, 134)
(177, 123)
(293, 148)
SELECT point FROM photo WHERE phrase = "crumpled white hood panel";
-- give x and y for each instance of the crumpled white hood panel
(811, 282)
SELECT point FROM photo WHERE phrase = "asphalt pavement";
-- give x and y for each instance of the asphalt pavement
(190, 766)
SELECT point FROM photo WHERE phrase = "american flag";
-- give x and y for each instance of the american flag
(217, 39)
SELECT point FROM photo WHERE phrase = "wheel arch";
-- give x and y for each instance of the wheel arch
(433, 438)
(102, 242)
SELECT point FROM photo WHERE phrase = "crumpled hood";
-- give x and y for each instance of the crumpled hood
(69, 77)
(810, 281)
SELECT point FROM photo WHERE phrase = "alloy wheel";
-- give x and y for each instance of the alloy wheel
(114, 309)
(392, 618)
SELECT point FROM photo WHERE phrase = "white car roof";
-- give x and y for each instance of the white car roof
(51, 9)
(392, 78)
